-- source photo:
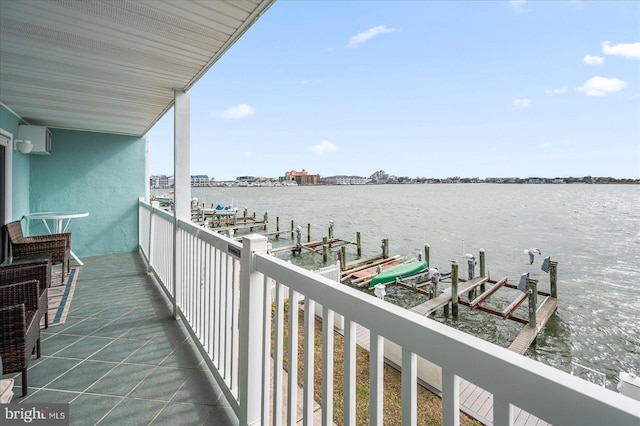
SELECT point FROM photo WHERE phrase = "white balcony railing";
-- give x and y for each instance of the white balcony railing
(222, 290)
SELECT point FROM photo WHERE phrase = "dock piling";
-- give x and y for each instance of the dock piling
(358, 245)
(343, 258)
(553, 277)
(482, 269)
(325, 250)
(308, 232)
(427, 249)
(454, 290)
(533, 301)
(385, 248)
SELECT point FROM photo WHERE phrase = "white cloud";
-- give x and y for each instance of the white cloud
(517, 4)
(559, 91)
(237, 112)
(369, 34)
(593, 60)
(628, 50)
(600, 86)
(522, 103)
(324, 146)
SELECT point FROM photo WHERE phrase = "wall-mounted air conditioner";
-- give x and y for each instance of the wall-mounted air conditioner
(39, 136)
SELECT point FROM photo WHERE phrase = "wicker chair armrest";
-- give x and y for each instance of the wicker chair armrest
(51, 237)
(13, 325)
(30, 246)
(40, 271)
(25, 292)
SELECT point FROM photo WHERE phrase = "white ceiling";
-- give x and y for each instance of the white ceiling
(111, 66)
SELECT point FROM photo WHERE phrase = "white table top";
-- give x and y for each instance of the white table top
(56, 215)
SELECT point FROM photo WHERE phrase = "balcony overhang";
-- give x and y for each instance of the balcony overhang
(111, 66)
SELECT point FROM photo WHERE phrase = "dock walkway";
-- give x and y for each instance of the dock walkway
(528, 334)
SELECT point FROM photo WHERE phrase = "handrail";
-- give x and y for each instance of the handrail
(233, 332)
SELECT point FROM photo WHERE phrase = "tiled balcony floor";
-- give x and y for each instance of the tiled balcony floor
(121, 358)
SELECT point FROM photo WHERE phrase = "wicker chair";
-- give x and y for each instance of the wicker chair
(34, 270)
(19, 327)
(57, 245)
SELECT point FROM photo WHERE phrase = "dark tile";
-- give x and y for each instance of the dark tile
(115, 329)
(195, 414)
(89, 409)
(134, 412)
(85, 327)
(57, 342)
(184, 356)
(121, 380)
(84, 347)
(200, 388)
(82, 376)
(153, 352)
(49, 396)
(118, 350)
(47, 370)
(161, 384)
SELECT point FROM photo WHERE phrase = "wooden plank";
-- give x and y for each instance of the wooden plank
(528, 334)
(514, 305)
(484, 296)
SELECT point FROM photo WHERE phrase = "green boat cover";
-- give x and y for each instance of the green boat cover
(404, 270)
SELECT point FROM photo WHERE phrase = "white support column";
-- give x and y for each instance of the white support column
(327, 366)
(376, 379)
(450, 399)
(309, 351)
(409, 388)
(182, 155)
(349, 372)
(250, 323)
(181, 183)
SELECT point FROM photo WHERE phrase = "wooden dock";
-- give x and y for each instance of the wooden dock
(312, 246)
(362, 275)
(528, 334)
(443, 299)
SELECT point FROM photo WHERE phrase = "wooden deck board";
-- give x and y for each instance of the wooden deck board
(528, 334)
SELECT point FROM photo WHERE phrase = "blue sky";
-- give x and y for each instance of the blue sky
(421, 88)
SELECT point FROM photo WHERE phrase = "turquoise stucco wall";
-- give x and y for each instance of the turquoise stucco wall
(102, 174)
(20, 168)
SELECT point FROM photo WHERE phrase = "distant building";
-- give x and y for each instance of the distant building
(345, 180)
(379, 177)
(199, 180)
(160, 181)
(302, 178)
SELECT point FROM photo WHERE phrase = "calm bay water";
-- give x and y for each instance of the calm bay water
(592, 231)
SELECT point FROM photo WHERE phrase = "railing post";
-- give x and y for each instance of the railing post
(250, 321)
(450, 399)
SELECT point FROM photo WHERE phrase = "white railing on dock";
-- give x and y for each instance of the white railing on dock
(223, 293)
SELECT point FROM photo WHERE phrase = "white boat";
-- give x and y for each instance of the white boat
(629, 385)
